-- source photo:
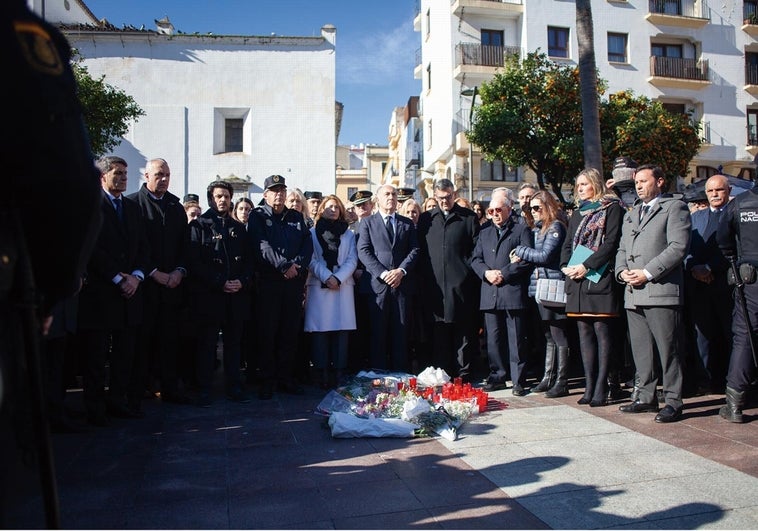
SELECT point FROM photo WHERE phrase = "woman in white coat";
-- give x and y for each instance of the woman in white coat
(330, 301)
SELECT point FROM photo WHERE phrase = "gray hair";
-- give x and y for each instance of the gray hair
(506, 192)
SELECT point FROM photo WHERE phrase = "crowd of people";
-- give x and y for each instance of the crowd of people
(305, 289)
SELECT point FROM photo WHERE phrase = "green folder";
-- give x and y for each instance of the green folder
(581, 253)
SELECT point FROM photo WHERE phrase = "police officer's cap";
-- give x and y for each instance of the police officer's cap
(403, 194)
(191, 198)
(313, 195)
(624, 162)
(360, 197)
(694, 196)
(273, 181)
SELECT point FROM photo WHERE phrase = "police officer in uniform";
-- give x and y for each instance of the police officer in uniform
(221, 272)
(47, 159)
(283, 247)
(737, 237)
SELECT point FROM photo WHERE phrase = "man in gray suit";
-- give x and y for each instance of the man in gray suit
(654, 240)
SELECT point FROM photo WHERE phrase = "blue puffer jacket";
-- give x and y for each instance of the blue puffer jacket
(546, 254)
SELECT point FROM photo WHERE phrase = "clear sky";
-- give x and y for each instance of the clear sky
(376, 44)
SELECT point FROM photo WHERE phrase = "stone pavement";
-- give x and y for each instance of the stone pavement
(538, 463)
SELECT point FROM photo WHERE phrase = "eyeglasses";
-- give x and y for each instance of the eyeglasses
(499, 210)
(535, 208)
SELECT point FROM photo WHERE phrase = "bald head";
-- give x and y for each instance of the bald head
(717, 191)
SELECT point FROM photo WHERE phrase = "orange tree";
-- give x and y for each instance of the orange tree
(531, 116)
(638, 127)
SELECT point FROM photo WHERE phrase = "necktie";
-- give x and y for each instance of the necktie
(119, 208)
(390, 229)
(643, 212)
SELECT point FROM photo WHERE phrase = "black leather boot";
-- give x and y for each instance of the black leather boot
(732, 410)
(560, 388)
(549, 378)
(614, 386)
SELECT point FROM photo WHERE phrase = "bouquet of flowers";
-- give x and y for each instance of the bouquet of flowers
(383, 405)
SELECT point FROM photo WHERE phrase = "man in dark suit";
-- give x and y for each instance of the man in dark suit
(447, 236)
(166, 227)
(708, 295)
(654, 239)
(504, 294)
(110, 303)
(388, 248)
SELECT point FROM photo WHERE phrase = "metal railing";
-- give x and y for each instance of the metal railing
(750, 12)
(705, 131)
(678, 68)
(418, 58)
(471, 53)
(679, 8)
(414, 154)
(751, 74)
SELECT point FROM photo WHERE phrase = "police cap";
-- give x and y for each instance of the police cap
(403, 194)
(191, 198)
(360, 197)
(272, 181)
(313, 195)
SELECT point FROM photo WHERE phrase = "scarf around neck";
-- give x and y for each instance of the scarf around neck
(328, 233)
(591, 229)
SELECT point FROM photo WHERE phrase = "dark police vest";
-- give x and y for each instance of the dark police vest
(746, 212)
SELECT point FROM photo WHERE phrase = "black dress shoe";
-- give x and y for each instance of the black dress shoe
(639, 407)
(599, 402)
(494, 385)
(669, 414)
(584, 400)
(518, 390)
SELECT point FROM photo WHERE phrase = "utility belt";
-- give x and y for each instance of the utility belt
(747, 272)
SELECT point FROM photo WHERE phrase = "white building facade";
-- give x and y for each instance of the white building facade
(692, 57)
(238, 108)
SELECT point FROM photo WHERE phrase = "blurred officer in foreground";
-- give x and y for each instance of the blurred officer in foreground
(737, 237)
(47, 159)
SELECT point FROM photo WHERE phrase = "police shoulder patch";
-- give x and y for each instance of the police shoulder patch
(38, 48)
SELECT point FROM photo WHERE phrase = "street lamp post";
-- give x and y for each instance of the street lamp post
(470, 92)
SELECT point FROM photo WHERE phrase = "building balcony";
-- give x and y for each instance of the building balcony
(489, 8)
(680, 13)
(674, 72)
(751, 79)
(414, 155)
(474, 59)
(750, 19)
(705, 132)
(417, 16)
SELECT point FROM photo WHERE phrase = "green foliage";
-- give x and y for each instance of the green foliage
(531, 116)
(107, 110)
(641, 128)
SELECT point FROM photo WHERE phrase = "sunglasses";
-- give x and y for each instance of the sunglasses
(535, 208)
(493, 210)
